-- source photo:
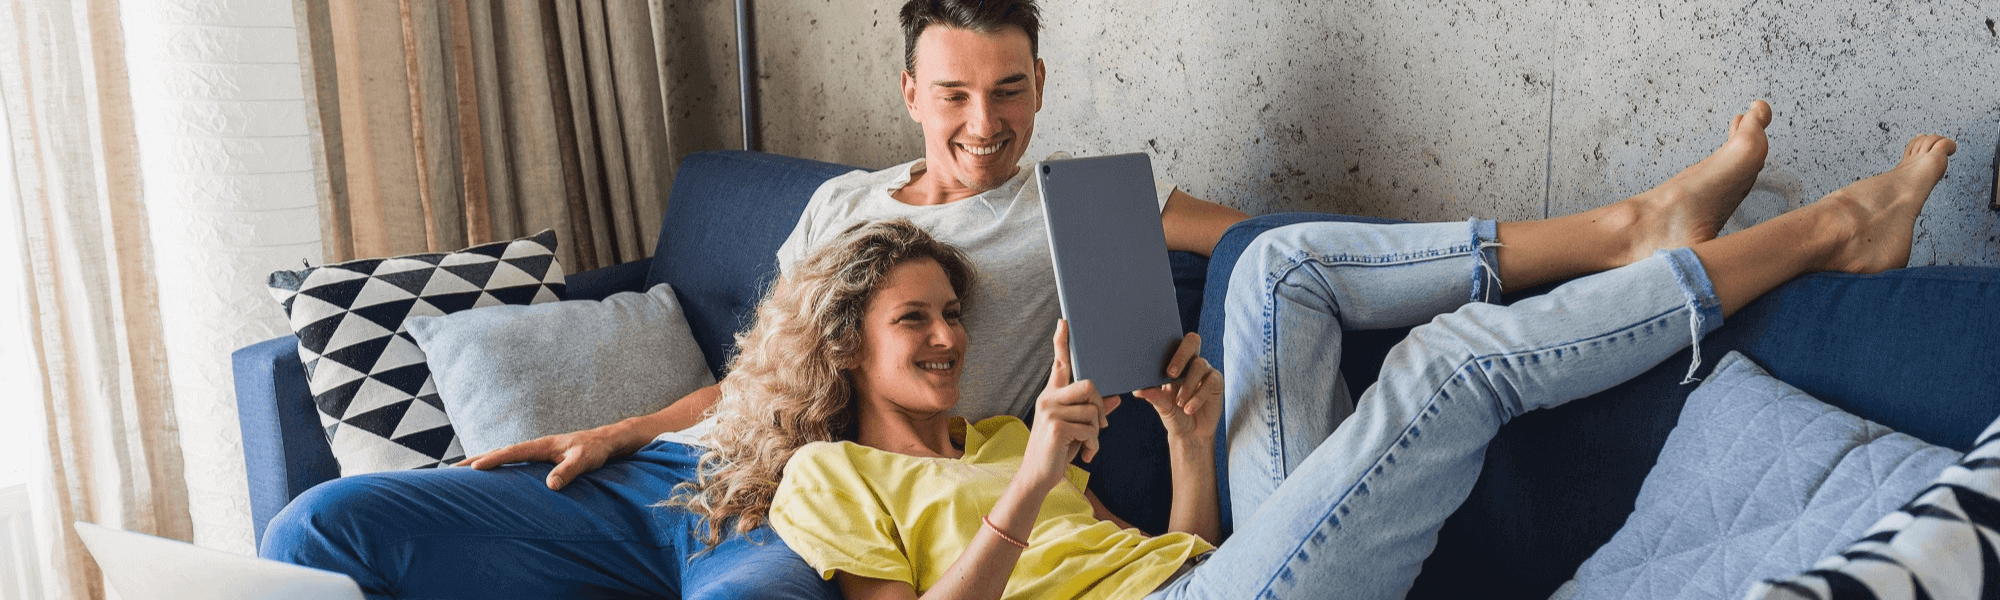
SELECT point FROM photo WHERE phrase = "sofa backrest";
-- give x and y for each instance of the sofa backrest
(721, 250)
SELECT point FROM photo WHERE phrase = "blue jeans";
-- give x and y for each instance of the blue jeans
(1343, 499)
(461, 533)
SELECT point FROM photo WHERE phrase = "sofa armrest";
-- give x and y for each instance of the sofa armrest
(284, 449)
(596, 284)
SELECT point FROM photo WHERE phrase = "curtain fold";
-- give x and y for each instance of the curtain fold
(443, 124)
(112, 454)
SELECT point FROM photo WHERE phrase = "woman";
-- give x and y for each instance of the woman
(864, 349)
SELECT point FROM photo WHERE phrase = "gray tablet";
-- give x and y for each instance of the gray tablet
(1112, 278)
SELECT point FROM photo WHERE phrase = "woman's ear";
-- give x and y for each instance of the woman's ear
(847, 361)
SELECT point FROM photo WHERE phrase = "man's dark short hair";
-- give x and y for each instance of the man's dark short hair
(983, 16)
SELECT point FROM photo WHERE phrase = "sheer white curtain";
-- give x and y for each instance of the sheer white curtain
(112, 445)
(159, 168)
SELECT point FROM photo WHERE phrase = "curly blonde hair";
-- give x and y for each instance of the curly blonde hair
(788, 382)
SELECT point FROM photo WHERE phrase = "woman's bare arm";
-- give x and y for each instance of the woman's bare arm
(1189, 407)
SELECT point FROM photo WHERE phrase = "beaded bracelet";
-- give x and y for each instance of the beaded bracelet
(1003, 534)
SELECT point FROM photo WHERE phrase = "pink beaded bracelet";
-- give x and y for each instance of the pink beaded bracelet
(988, 519)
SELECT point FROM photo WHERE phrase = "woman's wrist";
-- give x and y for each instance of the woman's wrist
(1028, 487)
(1191, 440)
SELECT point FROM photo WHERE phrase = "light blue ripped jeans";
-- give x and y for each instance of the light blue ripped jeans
(1342, 499)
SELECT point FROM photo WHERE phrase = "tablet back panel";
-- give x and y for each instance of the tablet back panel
(1112, 277)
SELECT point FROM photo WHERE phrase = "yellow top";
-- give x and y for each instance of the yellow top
(847, 507)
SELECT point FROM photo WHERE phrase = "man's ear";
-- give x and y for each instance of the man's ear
(910, 95)
(1041, 83)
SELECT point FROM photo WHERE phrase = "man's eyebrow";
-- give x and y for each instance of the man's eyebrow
(953, 83)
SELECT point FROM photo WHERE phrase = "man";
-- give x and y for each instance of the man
(972, 78)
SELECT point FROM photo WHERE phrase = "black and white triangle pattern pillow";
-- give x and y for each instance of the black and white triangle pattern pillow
(374, 391)
(1945, 544)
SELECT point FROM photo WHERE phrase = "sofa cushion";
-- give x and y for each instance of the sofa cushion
(377, 402)
(720, 248)
(1940, 545)
(510, 374)
(1758, 480)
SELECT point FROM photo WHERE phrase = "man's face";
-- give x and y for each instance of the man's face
(976, 95)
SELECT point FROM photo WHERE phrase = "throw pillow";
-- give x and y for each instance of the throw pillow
(1943, 544)
(374, 391)
(1757, 480)
(510, 374)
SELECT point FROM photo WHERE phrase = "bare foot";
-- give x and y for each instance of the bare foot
(1692, 206)
(1875, 219)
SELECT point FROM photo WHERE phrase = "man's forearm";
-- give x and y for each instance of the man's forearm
(682, 414)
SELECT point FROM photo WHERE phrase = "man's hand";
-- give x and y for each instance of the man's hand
(573, 453)
(1191, 404)
(1067, 417)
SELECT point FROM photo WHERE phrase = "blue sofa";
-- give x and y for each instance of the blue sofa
(1915, 349)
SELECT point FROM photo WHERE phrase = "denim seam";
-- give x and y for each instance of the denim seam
(1428, 408)
(1385, 261)
(1274, 419)
(1641, 323)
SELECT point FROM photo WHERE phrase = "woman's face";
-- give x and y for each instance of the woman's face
(912, 344)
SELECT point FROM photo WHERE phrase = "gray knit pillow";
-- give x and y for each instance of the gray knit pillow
(1942, 545)
(509, 374)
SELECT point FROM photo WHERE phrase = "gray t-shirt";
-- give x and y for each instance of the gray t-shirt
(1012, 313)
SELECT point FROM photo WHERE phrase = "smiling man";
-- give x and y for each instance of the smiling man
(973, 80)
(972, 77)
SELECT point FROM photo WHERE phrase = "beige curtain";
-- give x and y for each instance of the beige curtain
(441, 124)
(112, 455)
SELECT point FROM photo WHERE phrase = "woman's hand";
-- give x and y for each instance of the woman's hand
(1067, 417)
(1191, 404)
(573, 453)
(1189, 407)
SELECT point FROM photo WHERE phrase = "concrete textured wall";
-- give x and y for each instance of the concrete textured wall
(1439, 110)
